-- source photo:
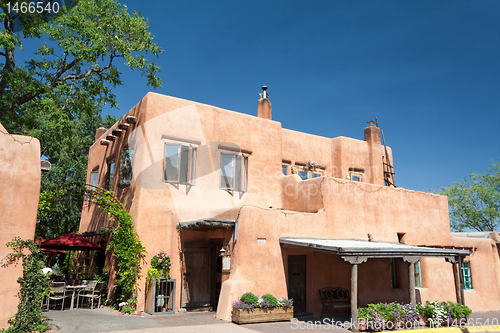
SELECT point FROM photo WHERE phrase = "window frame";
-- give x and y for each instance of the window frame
(111, 174)
(121, 182)
(467, 275)
(243, 183)
(190, 171)
(418, 275)
(355, 172)
(299, 168)
(96, 172)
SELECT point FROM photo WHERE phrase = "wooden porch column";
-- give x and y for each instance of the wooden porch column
(411, 277)
(354, 297)
(457, 274)
(354, 261)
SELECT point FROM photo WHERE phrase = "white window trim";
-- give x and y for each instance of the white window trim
(244, 174)
(191, 172)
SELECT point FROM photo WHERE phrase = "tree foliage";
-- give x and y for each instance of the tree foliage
(475, 201)
(57, 96)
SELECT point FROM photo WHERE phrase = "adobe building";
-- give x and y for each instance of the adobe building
(20, 178)
(244, 205)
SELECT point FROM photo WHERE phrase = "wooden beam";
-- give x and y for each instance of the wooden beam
(456, 275)
(411, 275)
(354, 297)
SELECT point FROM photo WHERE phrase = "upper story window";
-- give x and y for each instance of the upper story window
(126, 159)
(308, 172)
(234, 171)
(94, 178)
(111, 174)
(179, 166)
(285, 167)
(355, 174)
(466, 272)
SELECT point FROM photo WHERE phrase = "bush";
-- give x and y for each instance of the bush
(273, 301)
(249, 298)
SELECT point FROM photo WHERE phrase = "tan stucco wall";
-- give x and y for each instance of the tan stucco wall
(20, 179)
(326, 207)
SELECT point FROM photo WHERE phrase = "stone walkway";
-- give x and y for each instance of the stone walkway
(105, 320)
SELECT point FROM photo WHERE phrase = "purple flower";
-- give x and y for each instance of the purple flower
(159, 260)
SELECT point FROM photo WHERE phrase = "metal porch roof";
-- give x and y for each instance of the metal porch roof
(350, 247)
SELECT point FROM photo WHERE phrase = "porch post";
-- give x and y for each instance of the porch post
(458, 285)
(413, 298)
(354, 297)
(411, 278)
(354, 261)
(457, 274)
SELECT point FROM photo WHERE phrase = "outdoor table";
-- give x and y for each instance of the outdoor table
(73, 289)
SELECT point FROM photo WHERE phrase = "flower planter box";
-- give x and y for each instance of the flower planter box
(258, 315)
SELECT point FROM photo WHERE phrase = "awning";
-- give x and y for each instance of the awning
(70, 241)
(206, 224)
(353, 247)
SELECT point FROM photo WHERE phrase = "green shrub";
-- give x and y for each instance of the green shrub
(273, 301)
(364, 313)
(127, 309)
(458, 310)
(249, 298)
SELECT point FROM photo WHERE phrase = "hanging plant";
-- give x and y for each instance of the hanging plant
(160, 265)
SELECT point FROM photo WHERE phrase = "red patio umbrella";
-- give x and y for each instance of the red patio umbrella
(70, 241)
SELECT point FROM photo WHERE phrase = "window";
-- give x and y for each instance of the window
(126, 158)
(111, 174)
(466, 275)
(305, 173)
(418, 279)
(355, 174)
(283, 169)
(180, 164)
(233, 171)
(94, 178)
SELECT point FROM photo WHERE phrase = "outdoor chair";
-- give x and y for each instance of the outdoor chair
(58, 293)
(90, 285)
(91, 294)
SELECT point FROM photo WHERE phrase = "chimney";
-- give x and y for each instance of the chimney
(372, 133)
(99, 132)
(264, 108)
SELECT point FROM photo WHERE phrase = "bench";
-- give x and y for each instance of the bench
(332, 298)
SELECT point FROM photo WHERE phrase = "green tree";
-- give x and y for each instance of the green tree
(475, 201)
(57, 96)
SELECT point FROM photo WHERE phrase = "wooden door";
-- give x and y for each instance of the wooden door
(197, 279)
(297, 282)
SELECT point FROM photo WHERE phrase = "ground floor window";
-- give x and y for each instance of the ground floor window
(466, 275)
(418, 279)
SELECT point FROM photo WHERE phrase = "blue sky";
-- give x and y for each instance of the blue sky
(429, 70)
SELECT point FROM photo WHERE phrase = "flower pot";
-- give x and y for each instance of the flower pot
(258, 315)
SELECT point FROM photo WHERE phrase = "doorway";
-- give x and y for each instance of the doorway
(202, 275)
(297, 282)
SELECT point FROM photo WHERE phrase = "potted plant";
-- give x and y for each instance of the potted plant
(160, 267)
(252, 309)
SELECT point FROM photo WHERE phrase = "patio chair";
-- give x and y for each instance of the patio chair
(94, 294)
(58, 293)
(90, 285)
